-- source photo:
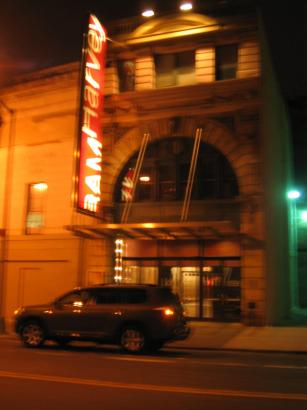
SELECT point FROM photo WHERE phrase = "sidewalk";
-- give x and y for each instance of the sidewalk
(235, 336)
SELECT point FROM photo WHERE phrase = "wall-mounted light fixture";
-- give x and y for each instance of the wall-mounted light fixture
(148, 12)
(145, 178)
(304, 216)
(293, 194)
(186, 5)
(118, 268)
(41, 186)
(148, 9)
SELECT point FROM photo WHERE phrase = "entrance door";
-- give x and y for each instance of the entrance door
(208, 288)
(221, 290)
(185, 282)
(182, 276)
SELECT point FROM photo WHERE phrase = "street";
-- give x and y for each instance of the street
(87, 376)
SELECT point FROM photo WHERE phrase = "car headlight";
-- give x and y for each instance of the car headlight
(18, 311)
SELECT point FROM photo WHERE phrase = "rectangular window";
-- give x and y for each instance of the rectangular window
(107, 296)
(226, 61)
(120, 296)
(167, 182)
(175, 69)
(126, 75)
(36, 208)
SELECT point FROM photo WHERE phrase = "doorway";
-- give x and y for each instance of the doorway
(209, 288)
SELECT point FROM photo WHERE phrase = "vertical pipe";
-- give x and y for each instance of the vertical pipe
(6, 210)
(201, 288)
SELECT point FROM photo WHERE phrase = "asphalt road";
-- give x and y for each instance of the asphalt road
(97, 377)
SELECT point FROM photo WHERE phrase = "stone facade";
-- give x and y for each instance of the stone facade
(38, 144)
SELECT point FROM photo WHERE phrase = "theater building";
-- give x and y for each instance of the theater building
(195, 163)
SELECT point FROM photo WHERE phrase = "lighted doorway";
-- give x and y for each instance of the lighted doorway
(209, 289)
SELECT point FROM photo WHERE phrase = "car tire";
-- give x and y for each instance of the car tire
(32, 334)
(132, 339)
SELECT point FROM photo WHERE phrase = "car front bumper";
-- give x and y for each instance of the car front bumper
(182, 332)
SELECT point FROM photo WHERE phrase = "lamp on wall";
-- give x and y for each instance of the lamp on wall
(186, 5)
(293, 195)
(147, 9)
(304, 216)
(148, 12)
(118, 267)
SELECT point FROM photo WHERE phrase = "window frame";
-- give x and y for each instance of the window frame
(176, 161)
(228, 68)
(36, 206)
(174, 73)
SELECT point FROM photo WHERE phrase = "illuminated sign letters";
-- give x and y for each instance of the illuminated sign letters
(90, 134)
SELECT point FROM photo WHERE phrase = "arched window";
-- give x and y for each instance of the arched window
(165, 170)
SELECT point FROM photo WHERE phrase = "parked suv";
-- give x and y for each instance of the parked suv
(136, 317)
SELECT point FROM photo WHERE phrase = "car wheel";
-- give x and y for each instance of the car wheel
(32, 334)
(132, 340)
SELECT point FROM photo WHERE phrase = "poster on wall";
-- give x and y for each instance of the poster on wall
(90, 139)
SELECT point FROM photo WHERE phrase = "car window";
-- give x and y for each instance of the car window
(107, 296)
(75, 298)
(131, 296)
(120, 296)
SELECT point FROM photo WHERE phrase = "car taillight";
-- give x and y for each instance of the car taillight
(168, 312)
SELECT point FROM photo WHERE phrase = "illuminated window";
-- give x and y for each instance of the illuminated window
(226, 61)
(175, 69)
(36, 207)
(165, 172)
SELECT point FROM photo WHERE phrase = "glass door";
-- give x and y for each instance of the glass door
(221, 290)
(208, 289)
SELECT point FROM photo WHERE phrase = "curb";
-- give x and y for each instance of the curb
(205, 348)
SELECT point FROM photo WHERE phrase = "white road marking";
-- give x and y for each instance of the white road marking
(276, 366)
(139, 359)
(155, 388)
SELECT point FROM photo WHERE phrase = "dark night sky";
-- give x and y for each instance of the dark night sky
(41, 33)
(36, 34)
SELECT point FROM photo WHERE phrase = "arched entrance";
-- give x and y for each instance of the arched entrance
(201, 265)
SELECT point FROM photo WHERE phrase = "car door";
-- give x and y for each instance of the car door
(112, 308)
(103, 313)
(67, 318)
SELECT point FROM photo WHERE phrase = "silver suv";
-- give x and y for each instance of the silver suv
(136, 317)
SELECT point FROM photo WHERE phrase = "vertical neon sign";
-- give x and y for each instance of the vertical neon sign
(90, 132)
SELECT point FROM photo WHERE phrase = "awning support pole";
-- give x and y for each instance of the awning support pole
(190, 182)
(135, 178)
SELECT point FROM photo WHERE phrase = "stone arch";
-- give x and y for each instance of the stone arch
(241, 153)
(242, 156)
